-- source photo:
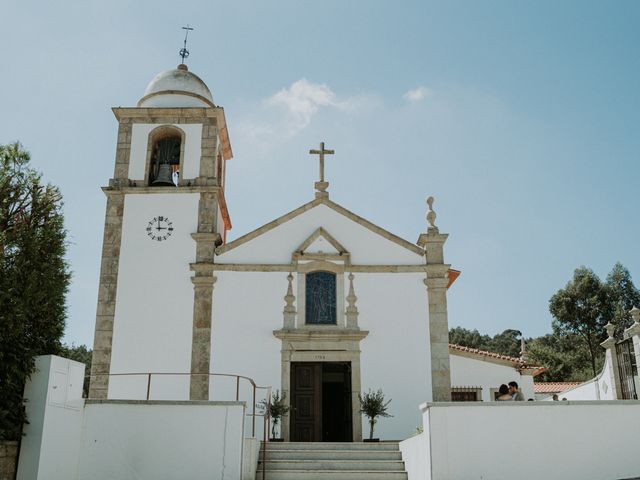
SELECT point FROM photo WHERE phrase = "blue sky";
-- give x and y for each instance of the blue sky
(521, 118)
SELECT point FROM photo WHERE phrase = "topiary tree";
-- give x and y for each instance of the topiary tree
(34, 278)
(372, 404)
(278, 409)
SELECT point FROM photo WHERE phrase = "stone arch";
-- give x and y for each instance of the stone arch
(158, 134)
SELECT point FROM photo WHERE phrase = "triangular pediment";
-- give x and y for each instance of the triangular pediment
(313, 229)
(321, 242)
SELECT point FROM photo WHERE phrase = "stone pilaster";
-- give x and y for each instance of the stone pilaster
(201, 337)
(437, 281)
(612, 360)
(123, 152)
(101, 361)
(206, 241)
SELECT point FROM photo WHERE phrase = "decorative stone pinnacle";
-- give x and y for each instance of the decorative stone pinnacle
(352, 310)
(289, 298)
(635, 314)
(431, 214)
(610, 328)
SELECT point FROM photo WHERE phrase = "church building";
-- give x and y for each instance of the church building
(319, 303)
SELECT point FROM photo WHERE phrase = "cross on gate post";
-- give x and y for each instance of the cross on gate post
(321, 185)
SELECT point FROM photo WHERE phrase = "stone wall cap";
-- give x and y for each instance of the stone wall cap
(537, 403)
(92, 401)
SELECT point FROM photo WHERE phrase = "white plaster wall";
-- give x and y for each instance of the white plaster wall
(165, 441)
(140, 137)
(599, 388)
(250, 455)
(168, 100)
(416, 456)
(554, 440)
(365, 246)
(396, 354)
(247, 308)
(154, 304)
(469, 372)
(54, 404)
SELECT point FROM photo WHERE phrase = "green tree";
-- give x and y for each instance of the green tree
(624, 296)
(583, 307)
(505, 343)
(469, 338)
(565, 357)
(82, 354)
(34, 278)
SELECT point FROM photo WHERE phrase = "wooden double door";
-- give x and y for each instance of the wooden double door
(321, 402)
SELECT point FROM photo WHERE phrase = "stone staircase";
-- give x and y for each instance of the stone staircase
(332, 461)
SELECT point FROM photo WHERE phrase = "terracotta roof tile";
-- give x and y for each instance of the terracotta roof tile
(517, 362)
(553, 387)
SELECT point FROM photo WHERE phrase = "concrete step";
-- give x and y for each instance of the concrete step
(332, 455)
(369, 446)
(342, 465)
(331, 475)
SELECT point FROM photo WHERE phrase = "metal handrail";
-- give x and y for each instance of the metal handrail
(253, 415)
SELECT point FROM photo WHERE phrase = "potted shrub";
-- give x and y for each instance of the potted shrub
(372, 404)
(278, 410)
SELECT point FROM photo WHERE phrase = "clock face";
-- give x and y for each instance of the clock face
(159, 229)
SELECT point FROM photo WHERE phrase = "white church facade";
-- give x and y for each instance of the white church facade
(319, 303)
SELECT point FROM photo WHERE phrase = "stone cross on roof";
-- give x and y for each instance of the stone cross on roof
(321, 185)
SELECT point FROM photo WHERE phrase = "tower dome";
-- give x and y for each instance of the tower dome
(177, 88)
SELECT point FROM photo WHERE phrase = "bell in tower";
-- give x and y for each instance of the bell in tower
(165, 161)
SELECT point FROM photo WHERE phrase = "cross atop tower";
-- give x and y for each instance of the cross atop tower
(184, 53)
(321, 186)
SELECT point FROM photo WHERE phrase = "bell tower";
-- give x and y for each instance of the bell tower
(165, 214)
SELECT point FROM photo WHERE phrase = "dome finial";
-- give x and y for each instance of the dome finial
(184, 53)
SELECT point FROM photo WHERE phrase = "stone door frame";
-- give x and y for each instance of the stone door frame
(319, 346)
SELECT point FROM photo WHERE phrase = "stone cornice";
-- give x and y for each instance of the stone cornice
(147, 189)
(287, 267)
(150, 112)
(331, 333)
(207, 237)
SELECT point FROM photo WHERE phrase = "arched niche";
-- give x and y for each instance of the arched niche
(165, 155)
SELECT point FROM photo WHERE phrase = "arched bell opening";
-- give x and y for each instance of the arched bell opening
(164, 156)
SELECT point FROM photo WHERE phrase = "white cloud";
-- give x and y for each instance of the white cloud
(284, 114)
(417, 94)
(302, 101)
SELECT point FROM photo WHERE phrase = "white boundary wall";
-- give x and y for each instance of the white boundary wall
(68, 438)
(161, 440)
(599, 388)
(502, 441)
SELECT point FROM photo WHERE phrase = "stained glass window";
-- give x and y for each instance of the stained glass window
(321, 298)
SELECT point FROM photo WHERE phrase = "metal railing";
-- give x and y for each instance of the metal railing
(254, 387)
